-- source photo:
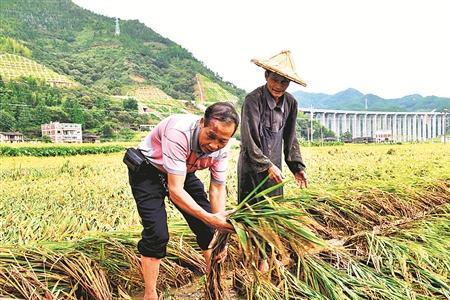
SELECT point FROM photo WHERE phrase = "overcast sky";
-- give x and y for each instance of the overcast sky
(390, 48)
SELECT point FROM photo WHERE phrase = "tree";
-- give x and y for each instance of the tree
(346, 136)
(108, 130)
(46, 139)
(90, 121)
(43, 115)
(126, 134)
(25, 119)
(74, 111)
(7, 121)
(10, 45)
(130, 104)
(57, 114)
(319, 131)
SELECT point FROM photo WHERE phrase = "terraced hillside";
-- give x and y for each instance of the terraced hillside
(207, 91)
(149, 92)
(16, 66)
(160, 109)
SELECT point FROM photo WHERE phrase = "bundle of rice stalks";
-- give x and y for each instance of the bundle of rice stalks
(417, 252)
(103, 266)
(403, 258)
(266, 228)
(286, 286)
(345, 210)
(26, 282)
(214, 289)
(52, 274)
(183, 250)
(406, 260)
(117, 254)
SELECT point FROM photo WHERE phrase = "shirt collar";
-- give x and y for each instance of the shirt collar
(271, 101)
(195, 146)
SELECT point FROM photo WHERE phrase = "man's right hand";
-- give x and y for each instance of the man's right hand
(219, 221)
(275, 174)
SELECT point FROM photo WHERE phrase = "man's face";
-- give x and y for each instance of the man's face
(215, 136)
(277, 84)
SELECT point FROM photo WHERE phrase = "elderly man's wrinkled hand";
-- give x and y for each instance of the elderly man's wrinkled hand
(301, 179)
(275, 174)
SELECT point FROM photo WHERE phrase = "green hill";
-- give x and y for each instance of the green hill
(207, 91)
(60, 62)
(81, 44)
(352, 99)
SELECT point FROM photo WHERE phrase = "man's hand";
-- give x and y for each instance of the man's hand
(220, 257)
(301, 179)
(275, 174)
(219, 221)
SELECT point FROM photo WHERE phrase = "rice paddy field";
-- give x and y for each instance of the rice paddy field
(374, 223)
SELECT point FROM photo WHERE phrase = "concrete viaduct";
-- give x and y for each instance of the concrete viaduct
(399, 126)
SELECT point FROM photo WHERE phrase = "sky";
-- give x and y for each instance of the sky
(391, 48)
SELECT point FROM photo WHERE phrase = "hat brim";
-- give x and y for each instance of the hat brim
(292, 77)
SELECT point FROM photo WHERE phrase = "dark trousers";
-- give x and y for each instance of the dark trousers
(149, 190)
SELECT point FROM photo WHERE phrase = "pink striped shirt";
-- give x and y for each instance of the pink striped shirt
(172, 146)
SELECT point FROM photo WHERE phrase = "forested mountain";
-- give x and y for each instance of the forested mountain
(352, 99)
(63, 40)
(83, 45)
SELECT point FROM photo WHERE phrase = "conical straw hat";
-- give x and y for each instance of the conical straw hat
(281, 64)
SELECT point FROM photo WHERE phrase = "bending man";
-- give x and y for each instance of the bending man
(176, 148)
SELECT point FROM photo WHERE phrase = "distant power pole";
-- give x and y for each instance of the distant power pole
(366, 104)
(117, 27)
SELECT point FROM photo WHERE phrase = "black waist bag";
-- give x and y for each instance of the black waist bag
(134, 159)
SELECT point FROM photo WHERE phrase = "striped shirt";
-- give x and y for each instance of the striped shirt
(173, 147)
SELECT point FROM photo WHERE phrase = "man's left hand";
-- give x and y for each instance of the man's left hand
(301, 179)
(220, 257)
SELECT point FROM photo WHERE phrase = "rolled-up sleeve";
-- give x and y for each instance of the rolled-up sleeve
(250, 135)
(292, 155)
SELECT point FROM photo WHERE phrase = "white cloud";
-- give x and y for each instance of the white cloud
(389, 48)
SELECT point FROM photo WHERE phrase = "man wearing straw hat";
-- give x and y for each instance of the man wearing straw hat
(268, 125)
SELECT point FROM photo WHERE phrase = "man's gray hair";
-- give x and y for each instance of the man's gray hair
(223, 112)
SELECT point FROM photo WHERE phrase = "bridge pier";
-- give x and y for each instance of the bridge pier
(395, 126)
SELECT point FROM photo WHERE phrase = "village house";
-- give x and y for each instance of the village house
(62, 132)
(91, 138)
(11, 137)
